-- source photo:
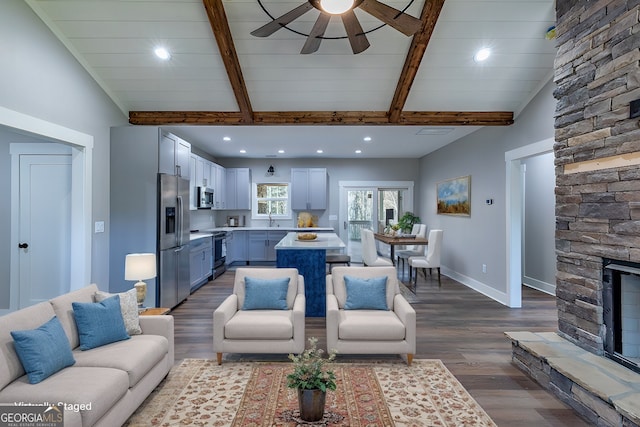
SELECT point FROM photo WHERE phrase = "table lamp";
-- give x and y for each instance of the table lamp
(140, 267)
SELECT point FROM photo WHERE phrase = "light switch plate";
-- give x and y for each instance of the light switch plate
(98, 227)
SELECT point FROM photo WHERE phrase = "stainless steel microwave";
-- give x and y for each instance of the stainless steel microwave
(205, 197)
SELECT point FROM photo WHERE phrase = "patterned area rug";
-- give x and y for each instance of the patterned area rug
(201, 393)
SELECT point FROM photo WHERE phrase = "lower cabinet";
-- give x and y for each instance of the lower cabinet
(237, 246)
(201, 261)
(261, 245)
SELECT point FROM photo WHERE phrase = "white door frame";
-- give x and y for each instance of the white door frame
(81, 184)
(515, 213)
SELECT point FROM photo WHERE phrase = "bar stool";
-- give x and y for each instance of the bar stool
(338, 259)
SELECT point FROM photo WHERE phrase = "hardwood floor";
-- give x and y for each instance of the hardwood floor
(461, 327)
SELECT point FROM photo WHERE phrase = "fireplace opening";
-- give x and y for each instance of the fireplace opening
(621, 312)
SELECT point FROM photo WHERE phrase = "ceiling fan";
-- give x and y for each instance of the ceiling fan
(395, 18)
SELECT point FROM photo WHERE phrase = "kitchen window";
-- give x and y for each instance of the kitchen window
(271, 200)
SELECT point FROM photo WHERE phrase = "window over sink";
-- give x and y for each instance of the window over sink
(271, 200)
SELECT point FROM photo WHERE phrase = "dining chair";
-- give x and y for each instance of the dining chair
(370, 257)
(419, 230)
(431, 260)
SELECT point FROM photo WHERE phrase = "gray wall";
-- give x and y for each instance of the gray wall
(40, 78)
(337, 169)
(539, 263)
(469, 242)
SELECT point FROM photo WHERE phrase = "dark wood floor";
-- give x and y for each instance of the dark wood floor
(455, 324)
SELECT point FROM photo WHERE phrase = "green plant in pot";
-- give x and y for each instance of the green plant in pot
(312, 378)
(407, 221)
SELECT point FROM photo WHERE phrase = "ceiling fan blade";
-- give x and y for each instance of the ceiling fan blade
(313, 40)
(357, 38)
(406, 24)
(273, 26)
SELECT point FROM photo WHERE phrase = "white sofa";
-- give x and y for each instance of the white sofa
(260, 331)
(363, 331)
(113, 379)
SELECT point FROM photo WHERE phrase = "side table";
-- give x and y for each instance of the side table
(153, 311)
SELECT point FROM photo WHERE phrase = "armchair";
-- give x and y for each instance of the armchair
(240, 328)
(352, 330)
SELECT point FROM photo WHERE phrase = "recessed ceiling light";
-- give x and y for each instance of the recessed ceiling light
(358, 151)
(243, 151)
(281, 151)
(482, 54)
(367, 139)
(319, 151)
(162, 53)
(226, 138)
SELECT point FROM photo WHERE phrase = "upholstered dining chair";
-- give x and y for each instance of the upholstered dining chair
(370, 257)
(432, 258)
(418, 230)
(367, 314)
(264, 314)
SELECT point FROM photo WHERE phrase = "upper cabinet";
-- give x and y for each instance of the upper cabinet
(205, 173)
(308, 189)
(174, 155)
(219, 187)
(238, 188)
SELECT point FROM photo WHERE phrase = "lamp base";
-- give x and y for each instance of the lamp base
(141, 292)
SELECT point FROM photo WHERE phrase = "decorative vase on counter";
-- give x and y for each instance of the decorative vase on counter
(311, 404)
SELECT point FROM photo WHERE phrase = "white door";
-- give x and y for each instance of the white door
(45, 227)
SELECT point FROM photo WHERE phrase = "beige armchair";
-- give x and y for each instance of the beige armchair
(240, 328)
(369, 331)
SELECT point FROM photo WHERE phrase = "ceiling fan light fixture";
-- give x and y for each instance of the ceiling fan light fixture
(162, 53)
(336, 7)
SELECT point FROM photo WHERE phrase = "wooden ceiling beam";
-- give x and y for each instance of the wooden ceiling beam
(350, 118)
(429, 17)
(220, 27)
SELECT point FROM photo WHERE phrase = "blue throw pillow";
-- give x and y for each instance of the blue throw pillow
(99, 323)
(265, 294)
(366, 294)
(43, 351)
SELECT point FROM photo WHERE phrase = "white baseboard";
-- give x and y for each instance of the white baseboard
(477, 286)
(539, 285)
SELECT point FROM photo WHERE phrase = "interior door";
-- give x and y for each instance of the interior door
(44, 227)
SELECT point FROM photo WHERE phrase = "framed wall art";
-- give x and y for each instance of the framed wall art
(454, 196)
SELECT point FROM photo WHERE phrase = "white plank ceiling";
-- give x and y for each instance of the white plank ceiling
(114, 41)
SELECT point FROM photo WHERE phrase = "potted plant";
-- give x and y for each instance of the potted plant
(407, 221)
(312, 379)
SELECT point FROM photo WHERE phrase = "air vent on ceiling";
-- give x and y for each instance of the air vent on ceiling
(434, 131)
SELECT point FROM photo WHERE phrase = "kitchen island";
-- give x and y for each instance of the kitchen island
(309, 257)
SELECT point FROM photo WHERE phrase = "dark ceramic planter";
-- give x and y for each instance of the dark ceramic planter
(311, 403)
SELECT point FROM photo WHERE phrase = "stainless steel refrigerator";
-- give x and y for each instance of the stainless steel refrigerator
(173, 241)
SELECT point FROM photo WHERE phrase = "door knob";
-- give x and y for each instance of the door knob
(23, 245)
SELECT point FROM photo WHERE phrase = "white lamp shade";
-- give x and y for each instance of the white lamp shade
(140, 266)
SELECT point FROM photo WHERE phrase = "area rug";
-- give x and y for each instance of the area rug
(239, 394)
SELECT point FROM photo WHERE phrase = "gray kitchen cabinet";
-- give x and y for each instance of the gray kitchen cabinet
(193, 191)
(273, 238)
(174, 155)
(238, 188)
(201, 261)
(237, 246)
(308, 189)
(219, 187)
(257, 246)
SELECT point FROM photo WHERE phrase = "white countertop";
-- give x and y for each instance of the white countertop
(323, 241)
(264, 228)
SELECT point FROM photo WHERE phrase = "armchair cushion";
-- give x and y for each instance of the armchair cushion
(366, 294)
(370, 325)
(260, 325)
(265, 294)
(339, 289)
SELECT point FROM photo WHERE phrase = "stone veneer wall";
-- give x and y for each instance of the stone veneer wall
(597, 72)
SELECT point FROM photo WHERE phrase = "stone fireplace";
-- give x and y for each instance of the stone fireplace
(621, 312)
(597, 159)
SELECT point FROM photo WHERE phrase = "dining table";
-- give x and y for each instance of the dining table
(395, 240)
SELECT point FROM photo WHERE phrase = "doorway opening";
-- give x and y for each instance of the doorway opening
(371, 205)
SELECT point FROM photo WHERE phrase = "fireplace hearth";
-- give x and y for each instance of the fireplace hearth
(621, 312)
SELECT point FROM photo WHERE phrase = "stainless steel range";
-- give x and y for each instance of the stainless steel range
(219, 253)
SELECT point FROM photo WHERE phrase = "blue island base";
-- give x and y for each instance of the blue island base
(311, 264)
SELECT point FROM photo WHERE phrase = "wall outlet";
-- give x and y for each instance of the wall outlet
(98, 227)
(484, 268)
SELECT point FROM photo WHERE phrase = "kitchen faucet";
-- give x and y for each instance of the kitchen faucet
(271, 220)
